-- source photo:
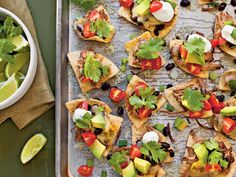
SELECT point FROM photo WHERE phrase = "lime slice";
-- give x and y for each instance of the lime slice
(32, 147)
(19, 41)
(20, 76)
(2, 65)
(8, 88)
(21, 59)
(2, 77)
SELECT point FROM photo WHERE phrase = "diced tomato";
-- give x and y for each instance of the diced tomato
(212, 167)
(155, 6)
(85, 79)
(124, 164)
(88, 138)
(85, 171)
(135, 152)
(126, 3)
(94, 15)
(87, 32)
(83, 105)
(144, 113)
(151, 64)
(214, 43)
(194, 68)
(195, 115)
(116, 94)
(183, 52)
(139, 85)
(228, 125)
(218, 108)
(207, 105)
(221, 41)
(216, 105)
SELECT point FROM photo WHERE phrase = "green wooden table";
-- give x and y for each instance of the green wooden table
(12, 139)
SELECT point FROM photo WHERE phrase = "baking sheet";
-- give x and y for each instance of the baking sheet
(74, 154)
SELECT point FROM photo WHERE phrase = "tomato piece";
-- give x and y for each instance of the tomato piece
(85, 171)
(87, 32)
(135, 152)
(144, 113)
(94, 15)
(85, 79)
(126, 3)
(216, 104)
(124, 164)
(88, 138)
(218, 108)
(155, 6)
(151, 64)
(221, 41)
(116, 94)
(214, 43)
(195, 115)
(212, 167)
(139, 85)
(83, 105)
(228, 125)
(207, 105)
(194, 68)
(183, 52)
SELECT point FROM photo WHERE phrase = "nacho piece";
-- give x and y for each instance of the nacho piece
(228, 79)
(83, 25)
(77, 60)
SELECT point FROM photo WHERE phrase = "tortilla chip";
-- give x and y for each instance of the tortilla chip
(178, 61)
(87, 86)
(130, 47)
(169, 94)
(225, 78)
(219, 24)
(133, 116)
(154, 171)
(193, 138)
(151, 24)
(201, 2)
(81, 21)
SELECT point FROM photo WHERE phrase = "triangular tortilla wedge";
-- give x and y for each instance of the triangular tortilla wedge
(151, 24)
(178, 61)
(219, 24)
(225, 78)
(189, 156)
(204, 1)
(131, 45)
(79, 22)
(174, 94)
(155, 171)
(74, 57)
(133, 116)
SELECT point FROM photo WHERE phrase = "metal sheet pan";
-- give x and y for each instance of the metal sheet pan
(70, 154)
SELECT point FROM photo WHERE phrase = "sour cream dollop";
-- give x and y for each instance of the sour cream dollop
(79, 113)
(150, 136)
(208, 45)
(166, 13)
(226, 34)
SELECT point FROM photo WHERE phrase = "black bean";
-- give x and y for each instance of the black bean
(134, 19)
(105, 86)
(165, 145)
(166, 131)
(172, 153)
(79, 29)
(233, 2)
(232, 93)
(185, 3)
(177, 37)
(109, 156)
(140, 23)
(235, 61)
(170, 66)
(156, 93)
(233, 117)
(89, 107)
(156, 32)
(231, 45)
(98, 131)
(169, 86)
(222, 6)
(120, 110)
(221, 98)
(160, 27)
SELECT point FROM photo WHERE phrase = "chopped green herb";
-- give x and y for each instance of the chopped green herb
(170, 108)
(159, 127)
(122, 143)
(124, 61)
(105, 70)
(213, 75)
(116, 159)
(129, 77)
(213, 4)
(6, 48)
(232, 85)
(162, 88)
(101, 27)
(90, 162)
(85, 122)
(9, 29)
(104, 173)
(123, 68)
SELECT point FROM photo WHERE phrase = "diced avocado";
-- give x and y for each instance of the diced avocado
(97, 148)
(142, 8)
(201, 152)
(195, 59)
(185, 104)
(129, 171)
(142, 165)
(180, 124)
(229, 111)
(98, 121)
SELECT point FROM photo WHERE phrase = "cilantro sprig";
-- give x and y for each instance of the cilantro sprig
(194, 99)
(150, 49)
(101, 27)
(6, 48)
(146, 99)
(9, 29)
(85, 122)
(116, 159)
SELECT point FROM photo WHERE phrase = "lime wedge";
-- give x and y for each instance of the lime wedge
(20, 76)
(8, 88)
(21, 59)
(2, 65)
(2, 77)
(19, 41)
(32, 147)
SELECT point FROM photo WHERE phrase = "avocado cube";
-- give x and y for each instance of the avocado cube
(228, 111)
(201, 152)
(180, 124)
(97, 148)
(129, 171)
(142, 165)
(142, 8)
(98, 121)
(195, 59)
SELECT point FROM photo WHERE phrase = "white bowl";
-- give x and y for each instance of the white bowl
(32, 65)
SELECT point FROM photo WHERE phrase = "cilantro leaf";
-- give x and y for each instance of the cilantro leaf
(6, 48)
(85, 121)
(136, 101)
(232, 85)
(92, 68)
(116, 159)
(233, 34)
(194, 99)
(105, 70)
(215, 157)
(85, 4)
(150, 49)
(101, 27)
(10, 29)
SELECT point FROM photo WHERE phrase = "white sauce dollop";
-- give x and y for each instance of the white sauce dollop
(208, 45)
(79, 113)
(166, 13)
(150, 136)
(226, 34)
